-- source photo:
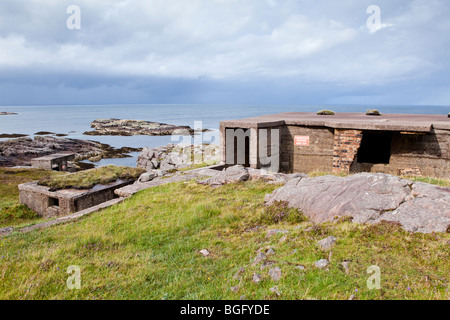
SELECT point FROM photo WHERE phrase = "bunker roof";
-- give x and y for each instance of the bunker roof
(361, 121)
(55, 156)
(69, 193)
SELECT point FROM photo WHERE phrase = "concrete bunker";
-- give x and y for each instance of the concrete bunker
(345, 142)
(56, 161)
(49, 204)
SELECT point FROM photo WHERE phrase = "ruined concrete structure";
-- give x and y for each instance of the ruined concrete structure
(56, 161)
(345, 142)
(49, 204)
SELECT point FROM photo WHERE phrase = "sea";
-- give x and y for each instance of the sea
(75, 120)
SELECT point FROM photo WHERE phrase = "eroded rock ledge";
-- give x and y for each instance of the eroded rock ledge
(118, 127)
(369, 198)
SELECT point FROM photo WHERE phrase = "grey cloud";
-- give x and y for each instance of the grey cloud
(200, 50)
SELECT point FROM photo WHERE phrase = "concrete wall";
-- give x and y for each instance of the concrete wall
(44, 164)
(335, 150)
(38, 198)
(95, 198)
(317, 156)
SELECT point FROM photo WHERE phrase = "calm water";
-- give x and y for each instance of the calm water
(74, 120)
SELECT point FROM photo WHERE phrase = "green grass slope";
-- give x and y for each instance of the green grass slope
(148, 248)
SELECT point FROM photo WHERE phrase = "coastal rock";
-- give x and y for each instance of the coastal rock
(273, 178)
(323, 263)
(19, 152)
(266, 264)
(327, 243)
(275, 290)
(147, 176)
(239, 273)
(6, 231)
(240, 174)
(256, 278)
(369, 198)
(119, 127)
(174, 157)
(259, 258)
(346, 266)
(230, 175)
(275, 273)
(12, 135)
(273, 232)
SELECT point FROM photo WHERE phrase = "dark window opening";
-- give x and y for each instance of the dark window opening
(375, 147)
(53, 202)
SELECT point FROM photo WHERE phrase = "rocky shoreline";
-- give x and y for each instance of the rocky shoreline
(118, 127)
(19, 152)
(173, 157)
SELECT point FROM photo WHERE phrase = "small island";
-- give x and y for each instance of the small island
(6, 113)
(118, 127)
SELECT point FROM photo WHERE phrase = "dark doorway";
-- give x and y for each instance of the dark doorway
(53, 202)
(375, 147)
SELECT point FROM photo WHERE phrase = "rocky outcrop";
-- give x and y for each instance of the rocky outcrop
(7, 113)
(118, 127)
(369, 198)
(230, 175)
(12, 135)
(173, 157)
(239, 174)
(19, 152)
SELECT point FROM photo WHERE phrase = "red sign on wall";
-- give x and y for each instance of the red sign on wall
(302, 141)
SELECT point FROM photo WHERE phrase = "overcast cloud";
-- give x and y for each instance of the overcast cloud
(224, 51)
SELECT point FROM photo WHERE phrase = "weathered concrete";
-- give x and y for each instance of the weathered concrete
(49, 204)
(391, 122)
(417, 144)
(56, 161)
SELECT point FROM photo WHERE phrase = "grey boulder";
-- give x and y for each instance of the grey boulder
(369, 198)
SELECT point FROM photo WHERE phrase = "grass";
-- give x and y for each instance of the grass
(373, 112)
(11, 211)
(319, 173)
(198, 166)
(325, 113)
(431, 180)
(89, 178)
(148, 248)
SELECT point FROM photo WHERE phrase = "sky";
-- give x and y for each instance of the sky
(224, 52)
